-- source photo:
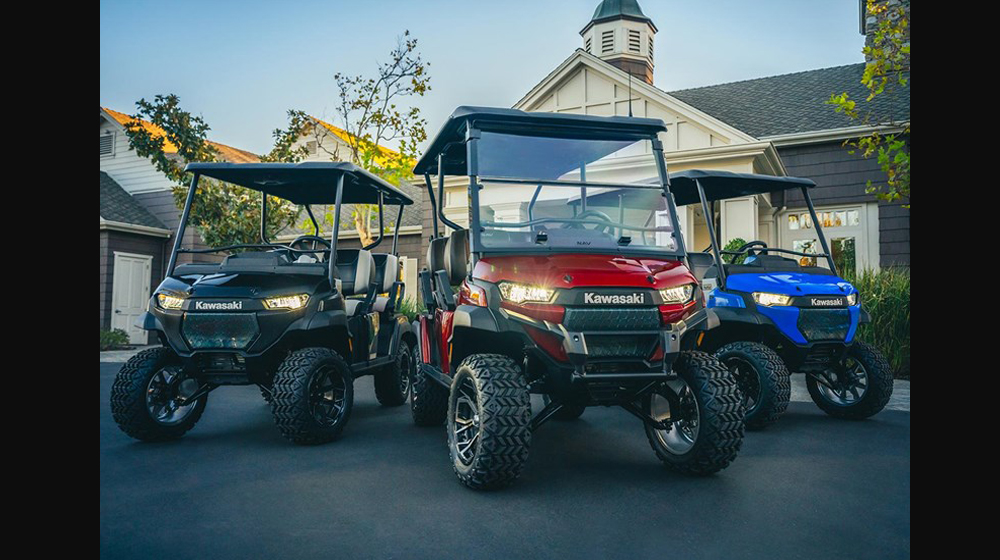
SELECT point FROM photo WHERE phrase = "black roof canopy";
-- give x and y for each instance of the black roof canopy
(723, 185)
(312, 182)
(450, 139)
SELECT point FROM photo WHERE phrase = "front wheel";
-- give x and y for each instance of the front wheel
(489, 416)
(762, 378)
(148, 397)
(858, 388)
(704, 409)
(312, 396)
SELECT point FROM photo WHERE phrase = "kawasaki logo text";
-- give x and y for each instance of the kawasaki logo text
(598, 299)
(827, 302)
(224, 306)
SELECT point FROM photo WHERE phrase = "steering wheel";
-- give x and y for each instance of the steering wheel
(751, 251)
(315, 239)
(587, 214)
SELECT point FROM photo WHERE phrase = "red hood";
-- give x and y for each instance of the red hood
(584, 270)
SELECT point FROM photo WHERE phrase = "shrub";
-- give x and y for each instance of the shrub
(111, 340)
(733, 245)
(410, 308)
(885, 295)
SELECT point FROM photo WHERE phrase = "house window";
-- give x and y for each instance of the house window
(633, 41)
(108, 145)
(588, 45)
(851, 232)
(607, 42)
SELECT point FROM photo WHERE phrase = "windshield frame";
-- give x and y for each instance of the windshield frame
(473, 136)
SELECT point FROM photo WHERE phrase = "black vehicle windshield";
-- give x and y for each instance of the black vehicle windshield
(543, 193)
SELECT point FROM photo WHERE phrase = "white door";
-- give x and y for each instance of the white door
(130, 293)
(851, 231)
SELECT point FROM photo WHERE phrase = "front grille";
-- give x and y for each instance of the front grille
(824, 324)
(621, 346)
(233, 331)
(611, 319)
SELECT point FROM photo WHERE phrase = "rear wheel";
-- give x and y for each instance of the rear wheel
(392, 384)
(858, 388)
(762, 378)
(489, 416)
(705, 411)
(147, 397)
(567, 412)
(312, 396)
(429, 403)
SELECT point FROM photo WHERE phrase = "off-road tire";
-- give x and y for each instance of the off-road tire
(504, 409)
(772, 375)
(291, 396)
(388, 382)
(720, 433)
(568, 412)
(128, 398)
(879, 391)
(429, 399)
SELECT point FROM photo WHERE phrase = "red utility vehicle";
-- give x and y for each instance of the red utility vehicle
(567, 284)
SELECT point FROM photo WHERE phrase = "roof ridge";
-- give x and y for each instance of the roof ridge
(159, 130)
(764, 77)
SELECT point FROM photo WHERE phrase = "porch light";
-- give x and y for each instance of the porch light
(521, 293)
(764, 298)
(293, 302)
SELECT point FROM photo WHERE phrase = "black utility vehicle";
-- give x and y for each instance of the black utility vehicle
(571, 285)
(274, 315)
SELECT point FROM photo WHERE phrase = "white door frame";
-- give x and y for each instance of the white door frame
(121, 318)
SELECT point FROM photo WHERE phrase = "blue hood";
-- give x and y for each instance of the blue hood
(790, 283)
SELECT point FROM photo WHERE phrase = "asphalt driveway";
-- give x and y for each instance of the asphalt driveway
(808, 487)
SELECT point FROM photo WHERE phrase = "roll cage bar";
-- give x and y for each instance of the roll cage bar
(305, 184)
(709, 186)
(445, 156)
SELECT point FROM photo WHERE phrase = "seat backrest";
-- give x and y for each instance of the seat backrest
(355, 270)
(435, 254)
(456, 256)
(386, 270)
(700, 263)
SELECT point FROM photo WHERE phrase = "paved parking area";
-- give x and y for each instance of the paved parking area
(808, 487)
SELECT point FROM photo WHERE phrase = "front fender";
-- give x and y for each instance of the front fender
(148, 322)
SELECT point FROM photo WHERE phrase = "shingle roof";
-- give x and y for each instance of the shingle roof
(225, 153)
(119, 206)
(792, 103)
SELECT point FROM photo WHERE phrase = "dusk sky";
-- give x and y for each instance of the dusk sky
(242, 65)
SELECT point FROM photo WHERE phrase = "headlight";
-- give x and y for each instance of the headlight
(852, 299)
(764, 298)
(521, 293)
(297, 301)
(167, 301)
(677, 294)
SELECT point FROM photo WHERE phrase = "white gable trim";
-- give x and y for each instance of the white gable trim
(580, 57)
(134, 228)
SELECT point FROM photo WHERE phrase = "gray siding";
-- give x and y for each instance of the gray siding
(841, 178)
(112, 241)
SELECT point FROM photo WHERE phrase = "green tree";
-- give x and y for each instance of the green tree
(887, 70)
(377, 110)
(224, 214)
